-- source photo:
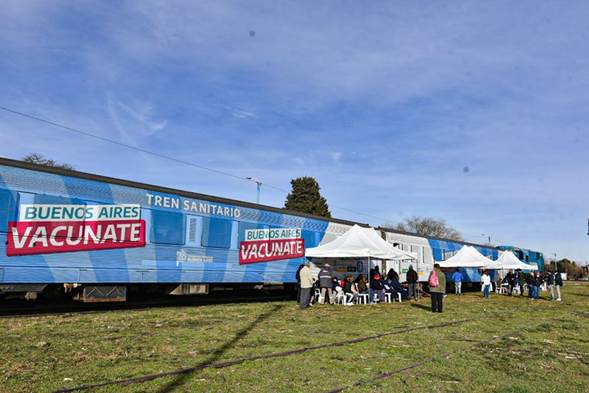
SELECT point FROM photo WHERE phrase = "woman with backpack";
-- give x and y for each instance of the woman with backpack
(437, 288)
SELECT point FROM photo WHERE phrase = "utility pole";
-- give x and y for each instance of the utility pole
(258, 187)
(555, 264)
(487, 236)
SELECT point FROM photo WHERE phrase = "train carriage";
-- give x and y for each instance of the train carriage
(61, 228)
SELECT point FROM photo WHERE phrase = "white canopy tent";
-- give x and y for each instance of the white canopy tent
(358, 242)
(467, 256)
(508, 260)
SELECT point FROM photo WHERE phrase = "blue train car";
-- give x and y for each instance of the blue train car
(527, 256)
(62, 228)
(430, 250)
(59, 227)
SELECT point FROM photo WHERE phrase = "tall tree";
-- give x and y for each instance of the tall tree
(36, 158)
(306, 198)
(427, 226)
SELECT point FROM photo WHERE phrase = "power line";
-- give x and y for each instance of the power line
(104, 139)
(159, 155)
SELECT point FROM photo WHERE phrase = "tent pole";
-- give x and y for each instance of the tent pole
(368, 274)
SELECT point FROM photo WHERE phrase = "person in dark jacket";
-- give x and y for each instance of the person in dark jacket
(350, 290)
(326, 278)
(558, 284)
(529, 278)
(395, 288)
(392, 275)
(519, 281)
(412, 278)
(536, 283)
(376, 287)
(550, 284)
(510, 281)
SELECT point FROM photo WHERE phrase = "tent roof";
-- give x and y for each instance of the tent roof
(357, 242)
(508, 260)
(467, 256)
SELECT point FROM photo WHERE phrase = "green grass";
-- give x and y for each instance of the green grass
(539, 346)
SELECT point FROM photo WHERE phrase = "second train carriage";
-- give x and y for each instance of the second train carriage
(65, 227)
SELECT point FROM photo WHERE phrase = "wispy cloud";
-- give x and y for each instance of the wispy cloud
(384, 104)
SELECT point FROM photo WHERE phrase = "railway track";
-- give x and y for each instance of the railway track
(33, 310)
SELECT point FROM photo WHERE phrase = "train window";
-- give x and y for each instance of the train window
(7, 209)
(244, 226)
(216, 232)
(167, 227)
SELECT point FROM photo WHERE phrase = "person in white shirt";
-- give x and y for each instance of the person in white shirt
(486, 281)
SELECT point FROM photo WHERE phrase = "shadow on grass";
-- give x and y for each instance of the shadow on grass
(216, 355)
(422, 306)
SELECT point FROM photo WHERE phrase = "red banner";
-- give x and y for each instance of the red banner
(270, 250)
(43, 237)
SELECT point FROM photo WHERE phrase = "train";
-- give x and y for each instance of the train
(96, 237)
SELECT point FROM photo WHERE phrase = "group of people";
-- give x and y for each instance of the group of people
(327, 285)
(518, 281)
(379, 285)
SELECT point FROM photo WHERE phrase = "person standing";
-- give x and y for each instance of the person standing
(326, 278)
(457, 279)
(298, 276)
(537, 284)
(558, 284)
(510, 279)
(550, 284)
(437, 288)
(519, 281)
(412, 278)
(306, 279)
(486, 282)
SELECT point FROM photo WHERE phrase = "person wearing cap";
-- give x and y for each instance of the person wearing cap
(306, 284)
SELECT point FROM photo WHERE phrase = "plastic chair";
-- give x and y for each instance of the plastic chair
(362, 298)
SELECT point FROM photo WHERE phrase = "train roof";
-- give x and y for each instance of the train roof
(437, 238)
(195, 195)
(169, 190)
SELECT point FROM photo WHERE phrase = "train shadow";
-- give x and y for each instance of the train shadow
(421, 306)
(218, 353)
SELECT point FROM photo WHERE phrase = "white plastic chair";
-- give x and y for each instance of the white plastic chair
(340, 296)
(362, 298)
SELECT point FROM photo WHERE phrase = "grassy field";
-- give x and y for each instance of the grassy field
(505, 344)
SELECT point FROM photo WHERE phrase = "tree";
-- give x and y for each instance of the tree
(36, 158)
(427, 226)
(571, 268)
(305, 197)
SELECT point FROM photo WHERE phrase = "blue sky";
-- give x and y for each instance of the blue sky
(385, 103)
